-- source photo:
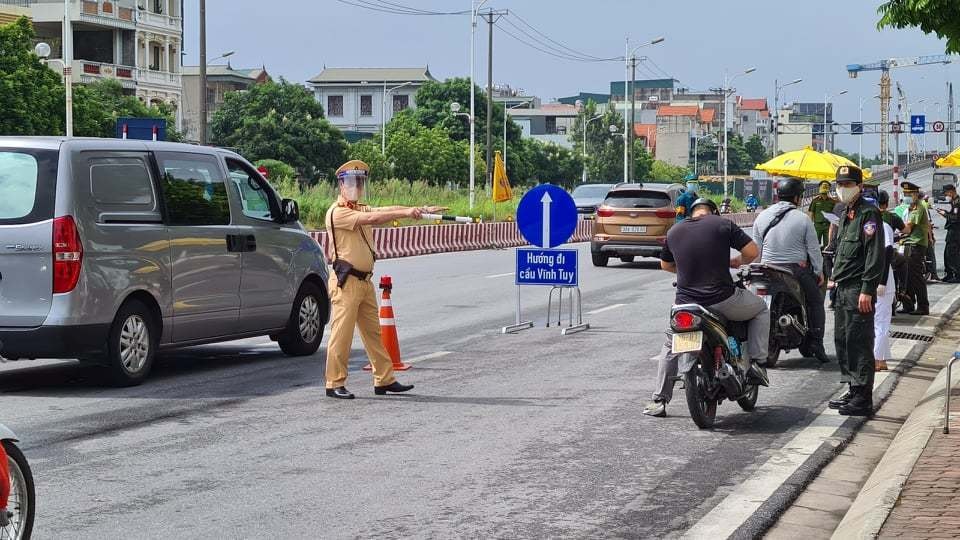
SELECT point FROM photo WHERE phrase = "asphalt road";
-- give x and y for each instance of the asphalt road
(525, 435)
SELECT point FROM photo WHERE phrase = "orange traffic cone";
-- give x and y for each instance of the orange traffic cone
(388, 327)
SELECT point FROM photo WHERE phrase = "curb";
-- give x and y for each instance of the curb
(783, 497)
(879, 494)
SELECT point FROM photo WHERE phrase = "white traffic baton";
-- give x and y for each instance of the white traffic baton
(441, 217)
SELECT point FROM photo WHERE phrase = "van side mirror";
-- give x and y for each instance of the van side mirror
(290, 211)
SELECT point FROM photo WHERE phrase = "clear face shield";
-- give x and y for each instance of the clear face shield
(352, 184)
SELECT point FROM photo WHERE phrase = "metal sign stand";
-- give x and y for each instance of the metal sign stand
(519, 324)
(571, 328)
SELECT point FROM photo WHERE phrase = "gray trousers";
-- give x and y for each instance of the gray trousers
(742, 306)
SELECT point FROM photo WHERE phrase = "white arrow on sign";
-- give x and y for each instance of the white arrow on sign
(545, 202)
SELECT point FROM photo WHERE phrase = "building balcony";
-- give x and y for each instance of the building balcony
(108, 13)
(159, 78)
(158, 21)
(87, 71)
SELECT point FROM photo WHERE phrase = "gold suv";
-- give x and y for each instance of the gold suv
(633, 220)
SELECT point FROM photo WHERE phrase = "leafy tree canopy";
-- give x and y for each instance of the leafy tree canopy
(940, 17)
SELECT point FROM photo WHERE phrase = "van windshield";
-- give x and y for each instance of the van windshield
(629, 198)
(27, 187)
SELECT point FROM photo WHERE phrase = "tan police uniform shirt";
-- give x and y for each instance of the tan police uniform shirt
(354, 242)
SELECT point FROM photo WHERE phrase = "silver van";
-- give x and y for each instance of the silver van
(111, 250)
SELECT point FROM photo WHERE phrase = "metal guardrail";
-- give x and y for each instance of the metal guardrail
(946, 407)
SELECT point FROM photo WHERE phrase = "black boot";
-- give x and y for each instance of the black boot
(842, 400)
(819, 352)
(860, 405)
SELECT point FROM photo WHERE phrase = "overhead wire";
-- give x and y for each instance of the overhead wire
(544, 46)
(386, 6)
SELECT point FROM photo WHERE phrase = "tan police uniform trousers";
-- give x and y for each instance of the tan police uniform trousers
(355, 305)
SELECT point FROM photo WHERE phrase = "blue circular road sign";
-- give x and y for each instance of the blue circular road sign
(547, 216)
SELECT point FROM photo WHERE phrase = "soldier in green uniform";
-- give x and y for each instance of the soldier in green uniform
(917, 237)
(823, 202)
(951, 251)
(857, 269)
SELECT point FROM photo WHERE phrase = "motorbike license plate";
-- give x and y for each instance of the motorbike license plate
(633, 229)
(687, 342)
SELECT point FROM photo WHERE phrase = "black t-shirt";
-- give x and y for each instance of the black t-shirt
(701, 250)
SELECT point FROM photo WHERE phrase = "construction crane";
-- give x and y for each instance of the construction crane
(884, 66)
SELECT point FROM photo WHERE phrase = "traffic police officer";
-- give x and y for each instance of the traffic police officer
(857, 269)
(951, 251)
(352, 296)
(823, 202)
(917, 237)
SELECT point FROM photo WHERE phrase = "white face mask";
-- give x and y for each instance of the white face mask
(908, 200)
(847, 194)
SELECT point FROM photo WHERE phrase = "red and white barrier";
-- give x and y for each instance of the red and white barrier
(396, 242)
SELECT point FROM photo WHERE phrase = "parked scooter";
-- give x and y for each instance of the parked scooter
(17, 511)
(712, 363)
(789, 323)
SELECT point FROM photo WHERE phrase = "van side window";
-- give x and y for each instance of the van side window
(194, 190)
(253, 192)
(122, 183)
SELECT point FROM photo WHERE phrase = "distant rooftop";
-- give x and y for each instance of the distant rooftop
(219, 70)
(372, 75)
(759, 104)
(616, 87)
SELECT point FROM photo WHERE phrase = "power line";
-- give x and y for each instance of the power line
(555, 42)
(385, 6)
(542, 49)
(547, 48)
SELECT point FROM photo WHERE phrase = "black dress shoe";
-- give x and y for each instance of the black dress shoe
(841, 401)
(860, 405)
(339, 392)
(392, 387)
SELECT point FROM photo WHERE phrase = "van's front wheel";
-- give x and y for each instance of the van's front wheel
(305, 327)
(132, 344)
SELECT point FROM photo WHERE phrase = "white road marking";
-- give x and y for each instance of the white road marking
(500, 275)
(608, 308)
(431, 356)
(747, 497)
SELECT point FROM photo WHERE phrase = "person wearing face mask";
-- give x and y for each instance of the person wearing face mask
(352, 295)
(857, 270)
(685, 201)
(916, 230)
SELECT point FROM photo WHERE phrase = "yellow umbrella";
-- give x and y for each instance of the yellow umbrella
(950, 160)
(806, 163)
(841, 161)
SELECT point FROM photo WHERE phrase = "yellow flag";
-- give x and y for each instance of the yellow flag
(501, 184)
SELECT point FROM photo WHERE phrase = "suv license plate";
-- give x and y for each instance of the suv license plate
(687, 342)
(633, 229)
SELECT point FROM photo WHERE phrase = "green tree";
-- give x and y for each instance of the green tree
(277, 171)
(661, 171)
(738, 159)
(642, 161)
(707, 155)
(97, 106)
(418, 152)
(31, 94)
(604, 149)
(756, 150)
(555, 164)
(941, 17)
(280, 121)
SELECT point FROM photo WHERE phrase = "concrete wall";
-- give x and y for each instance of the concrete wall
(674, 148)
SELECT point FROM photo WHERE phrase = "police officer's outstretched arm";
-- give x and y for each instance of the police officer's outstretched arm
(873, 250)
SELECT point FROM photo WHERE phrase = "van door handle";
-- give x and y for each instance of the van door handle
(249, 243)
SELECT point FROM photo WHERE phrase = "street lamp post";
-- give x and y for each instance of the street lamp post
(474, 7)
(826, 97)
(383, 114)
(776, 111)
(43, 51)
(630, 60)
(727, 81)
(586, 124)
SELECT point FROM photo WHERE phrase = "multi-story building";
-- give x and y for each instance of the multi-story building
(753, 118)
(11, 11)
(551, 122)
(355, 99)
(678, 128)
(802, 124)
(221, 80)
(136, 42)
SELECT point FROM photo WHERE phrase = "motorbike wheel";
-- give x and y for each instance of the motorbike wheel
(22, 496)
(749, 401)
(703, 410)
(773, 352)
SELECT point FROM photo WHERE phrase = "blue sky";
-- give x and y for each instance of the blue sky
(814, 40)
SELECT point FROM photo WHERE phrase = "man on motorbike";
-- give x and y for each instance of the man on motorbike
(685, 201)
(698, 251)
(752, 203)
(787, 237)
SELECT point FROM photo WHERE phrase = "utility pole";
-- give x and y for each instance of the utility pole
(68, 68)
(203, 72)
(950, 125)
(633, 117)
(491, 17)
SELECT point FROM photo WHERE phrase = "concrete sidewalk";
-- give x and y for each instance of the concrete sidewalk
(856, 491)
